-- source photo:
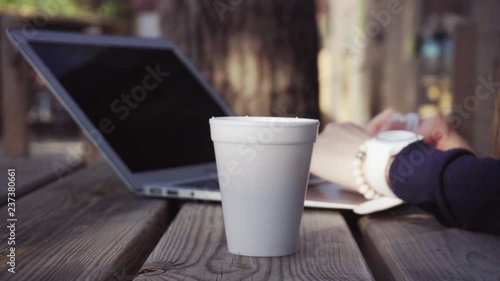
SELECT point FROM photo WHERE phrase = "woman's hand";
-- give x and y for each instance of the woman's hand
(382, 122)
(335, 150)
(435, 130)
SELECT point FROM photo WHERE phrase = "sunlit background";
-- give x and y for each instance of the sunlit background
(333, 60)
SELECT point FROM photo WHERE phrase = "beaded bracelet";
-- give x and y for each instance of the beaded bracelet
(363, 187)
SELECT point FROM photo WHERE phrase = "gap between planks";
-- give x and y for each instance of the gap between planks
(88, 226)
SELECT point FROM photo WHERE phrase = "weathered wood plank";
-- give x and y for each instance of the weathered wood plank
(414, 246)
(194, 248)
(88, 226)
(34, 172)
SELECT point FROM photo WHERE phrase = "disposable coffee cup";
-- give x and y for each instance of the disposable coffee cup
(263, 167)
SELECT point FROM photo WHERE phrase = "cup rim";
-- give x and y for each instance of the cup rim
(262, 121)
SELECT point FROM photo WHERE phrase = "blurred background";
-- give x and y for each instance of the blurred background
(333, 60)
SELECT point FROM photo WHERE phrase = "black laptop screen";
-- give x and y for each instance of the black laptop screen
(146, 103)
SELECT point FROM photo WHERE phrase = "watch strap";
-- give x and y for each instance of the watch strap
(379, 151)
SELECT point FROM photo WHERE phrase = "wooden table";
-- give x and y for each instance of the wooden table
(89, 226)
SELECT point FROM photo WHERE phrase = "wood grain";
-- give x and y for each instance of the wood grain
(414, 246)
(88, 226)
(194, 248)
(34, 172)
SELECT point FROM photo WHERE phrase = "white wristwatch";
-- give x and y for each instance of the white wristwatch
(379, 151)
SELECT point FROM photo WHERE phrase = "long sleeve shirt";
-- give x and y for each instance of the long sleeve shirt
(460, 189)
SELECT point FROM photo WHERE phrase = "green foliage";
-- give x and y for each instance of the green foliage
(103, 8)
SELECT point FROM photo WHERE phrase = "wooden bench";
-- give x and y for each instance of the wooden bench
(89, 226)
(34, 172)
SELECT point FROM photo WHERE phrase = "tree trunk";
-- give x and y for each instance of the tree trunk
(14, 94)
(261, 56)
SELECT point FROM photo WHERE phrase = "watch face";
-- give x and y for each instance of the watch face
(398, 136)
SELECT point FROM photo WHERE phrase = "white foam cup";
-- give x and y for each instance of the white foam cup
(263, 166)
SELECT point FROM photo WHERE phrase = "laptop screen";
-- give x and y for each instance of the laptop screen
(146, 103)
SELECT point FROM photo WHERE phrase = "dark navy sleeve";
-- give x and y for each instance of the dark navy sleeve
(460, 189)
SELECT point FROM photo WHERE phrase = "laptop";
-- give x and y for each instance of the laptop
(146, 108)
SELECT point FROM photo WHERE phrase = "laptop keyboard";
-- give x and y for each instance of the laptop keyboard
(212, 184)
(206, 184)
